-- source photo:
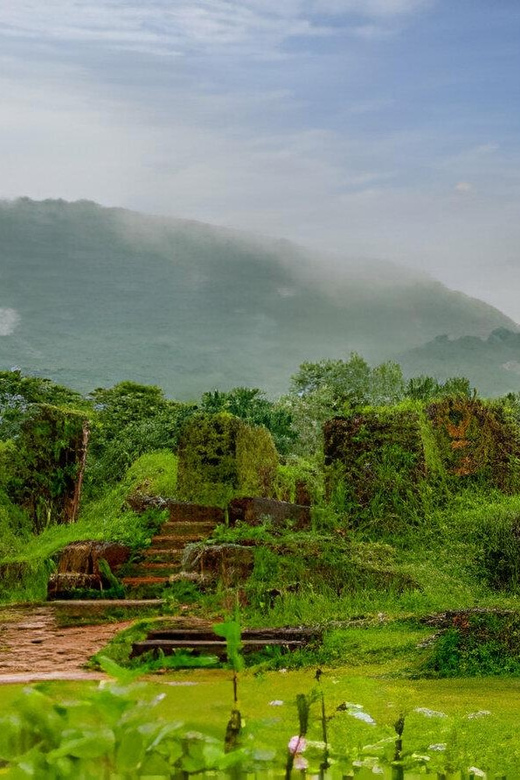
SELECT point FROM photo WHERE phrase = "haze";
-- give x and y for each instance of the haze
(383, 129)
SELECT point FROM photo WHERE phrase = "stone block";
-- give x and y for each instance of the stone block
(281, 514)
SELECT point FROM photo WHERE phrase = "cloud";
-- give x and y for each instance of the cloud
(163, 27)
(9, 319)
(378, 9)
(463, 186)
(159, 26)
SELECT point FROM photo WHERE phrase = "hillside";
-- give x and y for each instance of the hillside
(90, 296)
(492, 363)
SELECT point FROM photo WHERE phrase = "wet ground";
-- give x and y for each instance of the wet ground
(35, 645)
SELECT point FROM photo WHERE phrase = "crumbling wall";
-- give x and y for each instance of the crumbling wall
(384, 463)
(376, 462)
(477, 441)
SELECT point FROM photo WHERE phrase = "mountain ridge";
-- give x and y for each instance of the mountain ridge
(96, 295)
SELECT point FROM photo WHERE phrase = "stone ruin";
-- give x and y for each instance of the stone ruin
(379, 460)
(43, 471)
(178, 551)
(79, 567)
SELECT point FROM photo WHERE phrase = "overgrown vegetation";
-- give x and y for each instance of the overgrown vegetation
(220, 457)
(415, 503)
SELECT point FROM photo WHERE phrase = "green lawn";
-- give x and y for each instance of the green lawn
(488, 739)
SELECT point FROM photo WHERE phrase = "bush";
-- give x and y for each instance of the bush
(477, 644)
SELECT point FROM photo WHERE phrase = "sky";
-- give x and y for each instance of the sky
(385, 129)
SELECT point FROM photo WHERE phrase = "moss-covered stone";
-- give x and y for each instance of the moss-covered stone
(221, 457)
(391, 462)
(376, 461)
(42, 470)
(477, 441)
(280, 515)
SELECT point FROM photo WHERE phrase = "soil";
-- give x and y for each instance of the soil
(33, 645)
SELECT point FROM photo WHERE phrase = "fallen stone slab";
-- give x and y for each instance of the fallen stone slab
(281, 515)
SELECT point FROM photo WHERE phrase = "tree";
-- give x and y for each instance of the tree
(131, 419)
(251, 405)
(18, 393)
(427, 388)
(330, 388)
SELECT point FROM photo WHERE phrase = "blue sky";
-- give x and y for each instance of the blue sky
(372, 128)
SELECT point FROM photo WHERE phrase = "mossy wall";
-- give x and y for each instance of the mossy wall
(394, 461)
(40, 471)
(257, 462)
(477, 442)
(221, 457)
(376, 462)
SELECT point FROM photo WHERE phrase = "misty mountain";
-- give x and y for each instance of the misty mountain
(91, 295)
(492, 364)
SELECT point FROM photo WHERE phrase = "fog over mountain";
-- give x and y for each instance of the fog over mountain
(91, 295)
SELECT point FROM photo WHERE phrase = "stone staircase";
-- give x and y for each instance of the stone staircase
(203, 641)
(187, 523)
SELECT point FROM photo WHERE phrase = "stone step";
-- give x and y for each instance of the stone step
(167, 542)
(135, 582)
(183, 529)
(209, 647)
(154, 569)
(179, 541)
(269, 635)
(163, 555)
(195, 513)
(189, 576)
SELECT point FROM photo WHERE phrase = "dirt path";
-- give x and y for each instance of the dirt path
(33, 646)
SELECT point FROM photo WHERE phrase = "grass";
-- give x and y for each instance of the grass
(478, 721)
(106, 518)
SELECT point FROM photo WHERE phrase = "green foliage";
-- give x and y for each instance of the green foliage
(117, 654)
(353, 383)
(230, 631)
(18, 393)
(131, 420)
(320, 391)
(252, 406)
(333, 566)
(256, 462)
(24, 580)
(299, 481)
(220, 456)
(113, 731)
(15, 524)
(478, 442)
(41, 469)
(478, 644)
(376, 466)
(496, 540)
(207, 459)
(153, 474)
(115, 589)
(389, 467)
(28, 558)
(428, 388)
